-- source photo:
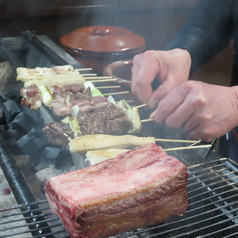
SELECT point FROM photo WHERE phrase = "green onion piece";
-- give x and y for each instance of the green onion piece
(46, 95)
(96, 92)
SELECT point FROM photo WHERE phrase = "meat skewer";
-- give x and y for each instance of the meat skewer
(102, 142)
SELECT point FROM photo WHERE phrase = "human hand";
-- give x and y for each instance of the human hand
(170, 68)
(201, 111)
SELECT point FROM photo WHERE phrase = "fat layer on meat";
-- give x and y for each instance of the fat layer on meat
(139, 188)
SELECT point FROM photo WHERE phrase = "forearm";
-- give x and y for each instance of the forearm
(234, 93)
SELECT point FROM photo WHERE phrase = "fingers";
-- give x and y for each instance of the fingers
(144, 71)
(170, 83)
(171, 106)
(169, 68)
(181, 109)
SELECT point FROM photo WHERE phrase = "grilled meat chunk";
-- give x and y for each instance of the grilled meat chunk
(31, 97)
(63, 98)
(58, 133)
(103, 120)
(140, 188)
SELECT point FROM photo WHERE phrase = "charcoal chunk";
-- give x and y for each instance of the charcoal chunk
(49, 155)
(23, 123)
(10, 110)
(30, 142)
(12, 96)
(1, 116)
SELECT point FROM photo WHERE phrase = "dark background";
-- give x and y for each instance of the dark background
(156, 20)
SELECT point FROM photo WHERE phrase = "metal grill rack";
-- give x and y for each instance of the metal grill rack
(212, 211)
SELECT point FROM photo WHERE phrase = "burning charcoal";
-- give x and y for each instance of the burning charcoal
(35, 115)
(49, 155)
(64, 159)
(12, 96)
(30, 143)
(48, 116)
(23, 123)
(10, 110)
(1, 116)
(9, 138)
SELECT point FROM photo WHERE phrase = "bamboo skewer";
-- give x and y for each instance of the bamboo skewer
(142, 105)
(100, 77)
(116, 93)
(147, 120)
(83, 69)
(187, 147)
(105, 87)
(177, 140)
(88, 74)
(102, 80)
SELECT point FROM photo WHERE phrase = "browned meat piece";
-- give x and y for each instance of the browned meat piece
(140, 188)
(107, 119)
(104, 120)
(58, 133)
(31, 97)
(63, 98)
(110, 111)
(72, 88)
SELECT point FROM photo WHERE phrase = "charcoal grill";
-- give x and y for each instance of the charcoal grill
(212, 211)
(212, 185)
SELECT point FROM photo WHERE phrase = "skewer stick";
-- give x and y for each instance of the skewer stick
(104, 87)
(102, 80)
(128, 101)
(116, 93)
(100, 77)
(187, 147)
(142, 105)
(175, 140)
(83, 69)
(88, 74)
(147, 120)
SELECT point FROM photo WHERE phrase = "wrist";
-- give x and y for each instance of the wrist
(234, 93)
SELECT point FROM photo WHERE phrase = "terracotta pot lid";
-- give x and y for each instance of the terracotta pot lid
(102, 39)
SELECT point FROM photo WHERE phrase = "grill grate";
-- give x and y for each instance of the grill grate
(212, 212)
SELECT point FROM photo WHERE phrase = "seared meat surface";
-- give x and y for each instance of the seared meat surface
(140, 188)
(103, 120)
(58, 133)
(106, 120)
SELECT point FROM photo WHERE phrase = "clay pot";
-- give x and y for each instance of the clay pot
(97, 46)
(120, 70)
